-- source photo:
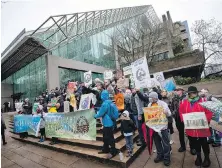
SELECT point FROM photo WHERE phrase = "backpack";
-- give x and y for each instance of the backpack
(114, 112)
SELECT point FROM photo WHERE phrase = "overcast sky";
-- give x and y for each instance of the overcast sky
(29, 14)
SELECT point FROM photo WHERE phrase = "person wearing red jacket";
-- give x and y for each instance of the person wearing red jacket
(198, 137)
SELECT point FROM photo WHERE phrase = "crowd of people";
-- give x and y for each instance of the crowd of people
(175, 104)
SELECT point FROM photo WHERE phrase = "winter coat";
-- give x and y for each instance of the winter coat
(127, 126)
(186, 107)
(144, 97)
(127, 102)
(27, 108)
(104, 110)
(139, 105)
(175, 104)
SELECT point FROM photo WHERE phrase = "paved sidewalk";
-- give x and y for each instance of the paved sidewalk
(20, 155)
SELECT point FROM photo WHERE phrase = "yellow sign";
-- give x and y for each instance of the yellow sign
(155, 118)
(119, 100)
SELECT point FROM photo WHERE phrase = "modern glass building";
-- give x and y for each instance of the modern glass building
(66, 46)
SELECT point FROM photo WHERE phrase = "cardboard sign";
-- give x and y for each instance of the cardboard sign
(195, 120)
(127, 70)
(141, 73)
(155, 118)
(88, 78)
(119, 100)
(108, 74)
(85, 102)
(66, 107)
(123, 83)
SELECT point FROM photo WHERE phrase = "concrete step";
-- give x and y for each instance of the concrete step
(84, 152)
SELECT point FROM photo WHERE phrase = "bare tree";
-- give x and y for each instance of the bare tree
(208, 38)
(138, 38)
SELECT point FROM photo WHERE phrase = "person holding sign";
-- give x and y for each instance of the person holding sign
(161, 138)
(196, 129)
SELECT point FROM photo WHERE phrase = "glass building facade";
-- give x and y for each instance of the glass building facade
(30, 80)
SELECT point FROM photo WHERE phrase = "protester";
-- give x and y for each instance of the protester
(42, 128)
(127, 129)
(6, 107)
(137, 109)
(27, 107)
(215, 138)
(179, 97)
(3, 127)
(198, 137)
(106, 112)
(166, 99)
(52, 104)
(127, 104)
(161, 138)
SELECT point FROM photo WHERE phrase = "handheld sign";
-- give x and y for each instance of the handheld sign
(88, 78)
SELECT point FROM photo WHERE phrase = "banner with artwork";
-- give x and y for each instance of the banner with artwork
(78, 125)
(169, 84)
(155, 118)
(26, 123)
(159, 76)
(85, 102)
(88, 78)
(195, 120)
(108, 74)
(119, 100)
(123, 83)
(141, 73)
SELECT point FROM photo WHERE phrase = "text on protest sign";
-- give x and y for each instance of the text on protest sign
(195, 120)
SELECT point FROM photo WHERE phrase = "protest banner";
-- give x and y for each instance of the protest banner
(169, 84)
(108, 74)
(122, 83)
(159, 76)
(127, 70)
(26, 123)
(141, 73)
(66, 107)
(119, 100)
(154, 82)
(88, 78)
(78, 125)
(85, 102)
(195, 120)
(155, 118)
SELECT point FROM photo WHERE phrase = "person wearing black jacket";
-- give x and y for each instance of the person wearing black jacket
(127, 129)
(27, 107)
(3, 127)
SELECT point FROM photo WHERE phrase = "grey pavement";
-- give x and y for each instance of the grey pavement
(17, 154)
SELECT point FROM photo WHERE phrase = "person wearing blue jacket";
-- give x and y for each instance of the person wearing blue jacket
(108, 125)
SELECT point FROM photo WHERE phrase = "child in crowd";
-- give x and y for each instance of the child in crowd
(42, 128)
(127, 129)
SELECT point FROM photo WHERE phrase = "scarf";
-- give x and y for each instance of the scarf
(193, 100)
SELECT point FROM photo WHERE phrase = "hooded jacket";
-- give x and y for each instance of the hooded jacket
(104, 111)
(186, 107)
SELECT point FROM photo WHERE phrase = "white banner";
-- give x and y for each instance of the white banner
(66, 107)
(195, 120)
(159, 76)
(155, 83)
(108, 74)
(88, 78)
(85, 101)
(141, 73)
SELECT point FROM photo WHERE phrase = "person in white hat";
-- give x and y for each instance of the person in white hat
(127, 129)
(161, 138)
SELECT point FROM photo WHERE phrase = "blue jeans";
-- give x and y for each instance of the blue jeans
(162, 143)
(129, 143)
(139, 127)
